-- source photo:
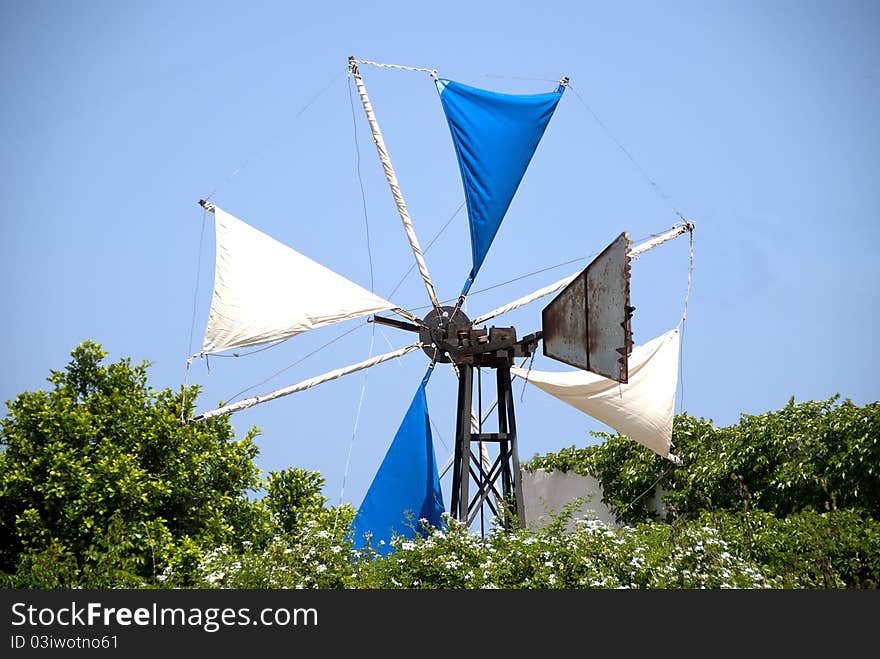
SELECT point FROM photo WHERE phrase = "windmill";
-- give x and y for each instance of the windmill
(588, 324)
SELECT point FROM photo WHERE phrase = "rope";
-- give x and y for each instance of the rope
(522, 394)
(650, 487)
(532, 274)
(247, 160)
(430, 72)
(681, 323)
(632, 159)
(192, 326)
(555, 286)
(690, 277)
(505, 77)
(298, 361)
(437, 432)
(430, 418)
(433, 240)
(302, 110)
(361, 183)
(357, 417)
(510, 281)
(183, 390)
(495, 402)
(527, 275)
(236, 355)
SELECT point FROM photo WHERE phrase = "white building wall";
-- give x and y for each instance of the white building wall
(545, 494)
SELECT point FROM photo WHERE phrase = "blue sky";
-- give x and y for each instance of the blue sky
(755, 120)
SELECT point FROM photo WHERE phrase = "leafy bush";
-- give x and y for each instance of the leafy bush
(101, 486)
(816, 455)
(310, 549)
(593, 556)
(100, 474)
(795, 491)
(839, 549)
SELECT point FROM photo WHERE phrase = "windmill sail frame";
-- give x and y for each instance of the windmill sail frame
(446, 334)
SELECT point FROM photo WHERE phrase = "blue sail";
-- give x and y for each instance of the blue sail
(407, 486)
(495, 136)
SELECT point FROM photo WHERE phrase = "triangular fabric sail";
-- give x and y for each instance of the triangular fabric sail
(642, 409)
(495, 136)
(265, 291)
(407, 486)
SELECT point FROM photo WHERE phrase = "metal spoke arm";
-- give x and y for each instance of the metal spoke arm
(391, 322)
(305, 384)
(634, 252)
(391, 177)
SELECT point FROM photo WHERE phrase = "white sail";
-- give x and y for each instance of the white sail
(265, 291)
(642, 409)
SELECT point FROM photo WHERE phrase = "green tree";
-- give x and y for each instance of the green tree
(795, 491)
(310, 548)
(99, 479)
(815, 455)
(293, 496)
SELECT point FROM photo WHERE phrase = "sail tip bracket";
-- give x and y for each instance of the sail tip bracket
(207, 205)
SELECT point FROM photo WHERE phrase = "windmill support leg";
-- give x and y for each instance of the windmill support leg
(461, 465)
(510, 469)
(498, 486)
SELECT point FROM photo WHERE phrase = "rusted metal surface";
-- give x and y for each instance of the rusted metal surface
(448, 336)
(441, 331)
(478, 487)
(564, 324)
(609, 334)
(393, 322)
(588, 325)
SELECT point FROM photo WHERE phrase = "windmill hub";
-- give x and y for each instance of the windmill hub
(449, 336)
(444, 332)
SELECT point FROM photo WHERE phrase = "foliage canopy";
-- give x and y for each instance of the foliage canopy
(102, 486)
(810, 456)
(99, 475)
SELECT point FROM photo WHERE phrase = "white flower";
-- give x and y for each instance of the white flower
(214, 577)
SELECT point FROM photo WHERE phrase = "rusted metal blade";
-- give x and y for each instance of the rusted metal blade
(588, 325)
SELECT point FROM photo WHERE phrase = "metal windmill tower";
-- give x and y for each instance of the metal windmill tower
(587, 325)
